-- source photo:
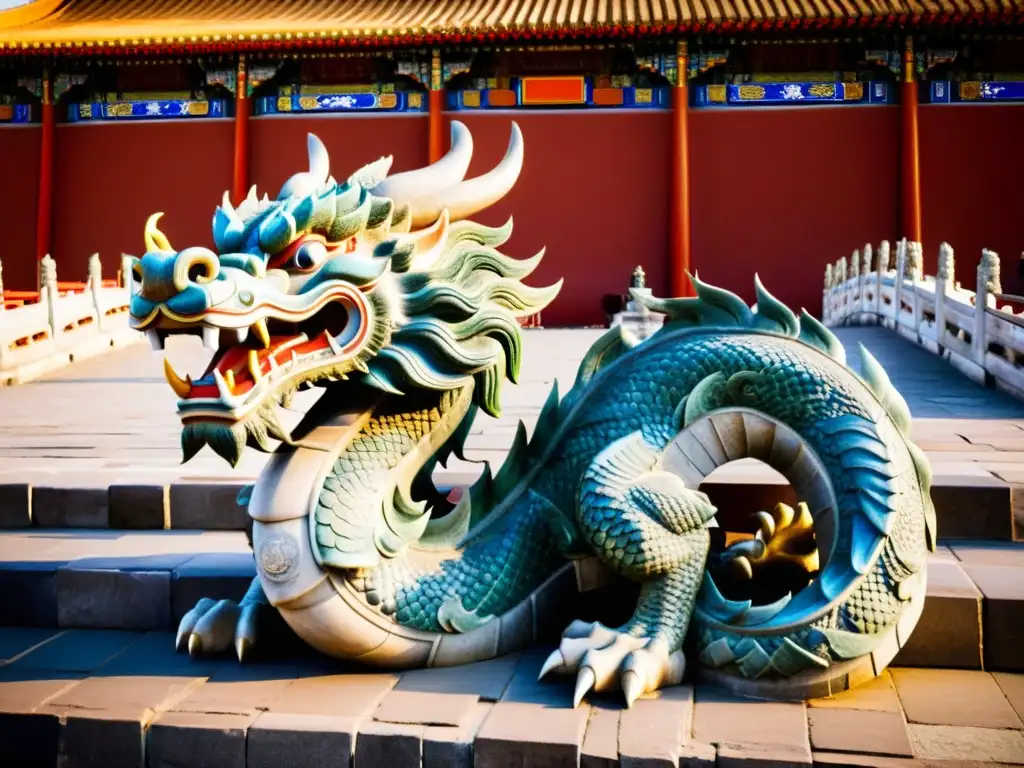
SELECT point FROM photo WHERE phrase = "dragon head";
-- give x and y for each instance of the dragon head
(377, 283)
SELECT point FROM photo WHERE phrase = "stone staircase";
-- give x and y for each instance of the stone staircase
(89, 677)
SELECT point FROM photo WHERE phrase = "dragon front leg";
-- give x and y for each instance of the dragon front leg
(214, 625)
(645, 524)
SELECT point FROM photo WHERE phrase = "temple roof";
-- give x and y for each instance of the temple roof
(137, 25)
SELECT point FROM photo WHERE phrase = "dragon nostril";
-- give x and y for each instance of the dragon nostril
(197, 272)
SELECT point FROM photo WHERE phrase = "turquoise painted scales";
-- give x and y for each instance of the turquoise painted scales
(379, 291)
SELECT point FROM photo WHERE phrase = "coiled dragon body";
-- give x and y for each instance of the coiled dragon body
(380, 292)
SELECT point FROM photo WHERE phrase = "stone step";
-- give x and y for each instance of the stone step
(967, 507)
(147, 580)
(117, 698)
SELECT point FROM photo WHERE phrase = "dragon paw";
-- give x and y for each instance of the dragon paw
(213, 625)
(604, 658)
(784, 536)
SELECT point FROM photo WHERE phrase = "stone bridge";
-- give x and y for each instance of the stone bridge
(107, 540)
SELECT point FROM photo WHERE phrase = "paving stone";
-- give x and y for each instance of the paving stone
(949, 631)
(77, 650)
(652, 730)
(28, 594)
(449, 747)
(217, 575)
(988, 553)
(954, 697)
(601, 741)
(878, 695)
(350, 695)
(485, 679)
(57, 507)
(723, 718)
(965, 743)
(419, 708)
(281, 739)
(14, 641)
(139, 507)
(207, 506)
(241, 690)
(15, 505)
(115, 599)
(27, 736)
(973, 508)
(762, 756)
(1012, 687)
(1003, 588)
(198, 740)
(388, 745)
(103, 738)
(844, 760)
(693, 754)
(858, 730)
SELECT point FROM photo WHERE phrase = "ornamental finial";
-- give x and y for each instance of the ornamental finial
(639, 279)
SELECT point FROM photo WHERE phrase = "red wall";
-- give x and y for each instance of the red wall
(19, 193)
(593, 191)
(111, 177)
(278, 145)
(972, 186)
(783, 192)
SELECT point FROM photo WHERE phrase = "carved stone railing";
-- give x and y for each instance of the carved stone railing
(933, 311)
(62, 322)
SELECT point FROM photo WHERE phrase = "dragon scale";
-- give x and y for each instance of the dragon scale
(381, 292)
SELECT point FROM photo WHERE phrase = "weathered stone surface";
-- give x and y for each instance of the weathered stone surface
(722, 718)
(652, 730)
(29, 737)
(485, 679)
(77, 650)
(420, 708)
(113, 599)
(15, 505)
(954, 697)
(1012, 687)
(139, 507)
(843, 760)
(28, 594)
(858, 730)
(693, 754)
(1003, 588)
(15, 641)
(949, 632)
(207, 506)
(108, 738)
(217, 575)
(281, 738)
(352, 695)
(878, 695)
(448, 747)
(388, 745)
(965, 743)
(241, 690)
(601, 741)
(61, 507)
(973, 507)
(762, 756)
(198, 740)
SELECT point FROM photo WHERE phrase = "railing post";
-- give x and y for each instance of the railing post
(988, 284)
(883, 267)
(95, 285)
(943, 283)
(915, 271)
(901, 268)
(842, 289)
(826, 296)
(858, 288)
(48, 292)
(126, 274)
(865, 272)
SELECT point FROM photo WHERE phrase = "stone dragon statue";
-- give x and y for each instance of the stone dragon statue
(380, 291)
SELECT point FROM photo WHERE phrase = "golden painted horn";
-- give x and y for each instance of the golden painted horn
(155, 239)
(467, 197)
(446, 172)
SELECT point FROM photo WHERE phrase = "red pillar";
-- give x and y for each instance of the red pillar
(910, 162)
(435, 110)
(679, 200)
(240, 168)
(44, 210)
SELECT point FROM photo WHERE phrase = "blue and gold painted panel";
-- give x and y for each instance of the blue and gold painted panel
(349, 101)
(793, 94)
(148, 109)
(557, 92)
(15, 113)
(948, 92)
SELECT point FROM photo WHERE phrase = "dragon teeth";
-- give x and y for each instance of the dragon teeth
(254, 366)
(333, 343)
(222, 385)
(155, 342)
(260, 329)
(242, 334)
(211, 337)
(180, 386)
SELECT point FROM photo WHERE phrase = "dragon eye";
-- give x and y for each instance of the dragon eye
(309, 255)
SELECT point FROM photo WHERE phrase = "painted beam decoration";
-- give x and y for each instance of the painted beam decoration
(947, 92)
(15, 113)
(559, 92)
(147, 109)
(372, 99)
(793, 94)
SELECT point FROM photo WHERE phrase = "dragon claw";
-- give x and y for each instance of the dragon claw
(784, 535)
(584, 682)
(632, 687)
(195, 645)
(552, 663)
(214, 626)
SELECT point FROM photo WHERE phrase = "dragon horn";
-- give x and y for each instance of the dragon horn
(155, 239)
(445, 173)
(319, 160)
(467, 197)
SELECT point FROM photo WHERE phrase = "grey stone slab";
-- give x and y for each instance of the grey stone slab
(485, 679)
(600, 747)
(859, 730)
(207, 506)
(419, 708)
(848, 760)
(103, 739)
(653, 729)
(281, 738)
(198, 740)
(143, 506)
(241, 690)
(388, 745)
(1003, 588)
(762, 756)
(973, 508)
(113, 599)
(15, 641)
(352, 695)
(217, 575)
(59, 507)
(15, 505)
(723, 718)
(694, 754)
(28, 594)
(77, 650)
(29, 737)
(452, 747)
